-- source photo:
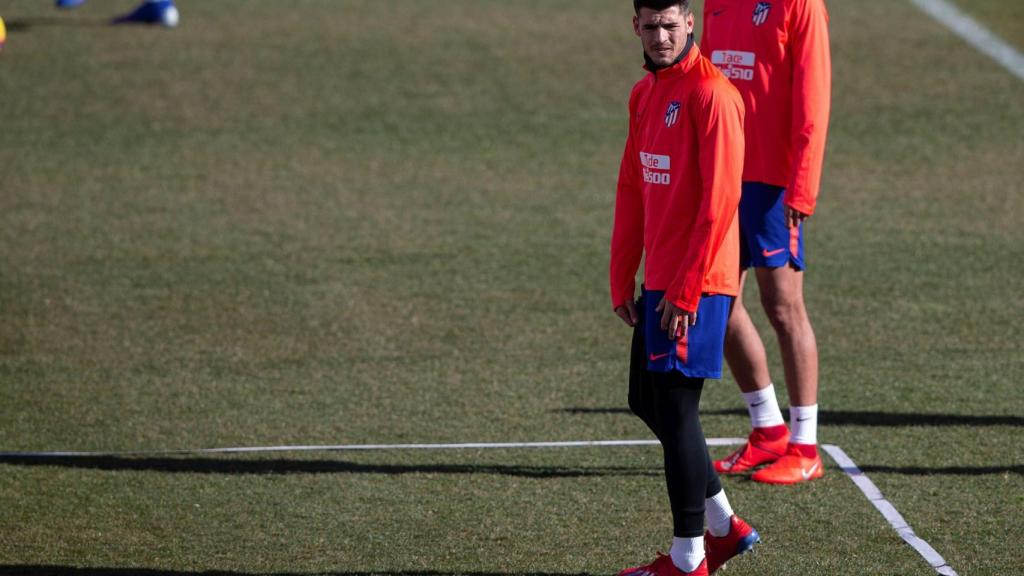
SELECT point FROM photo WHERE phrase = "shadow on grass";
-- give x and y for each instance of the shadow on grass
(31, 570)
(855, 418)
(17, 25)
(945, 470)
(232, 466)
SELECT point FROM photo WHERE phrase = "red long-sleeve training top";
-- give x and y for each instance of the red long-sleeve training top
(679, 186)
(777, 55)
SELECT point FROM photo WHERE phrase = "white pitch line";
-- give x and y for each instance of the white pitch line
(358, 447)
(873, 494)
(889, 512)
(974, 33)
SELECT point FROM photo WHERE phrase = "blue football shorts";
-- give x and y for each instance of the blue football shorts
(699, 354)
(765, 242)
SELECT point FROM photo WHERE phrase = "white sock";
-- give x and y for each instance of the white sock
(719, 514)
(803, 422)
(763, 407)
(687, 553)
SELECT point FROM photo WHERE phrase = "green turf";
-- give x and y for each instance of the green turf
(327, 222)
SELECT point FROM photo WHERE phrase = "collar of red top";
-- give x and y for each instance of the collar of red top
(680, 66)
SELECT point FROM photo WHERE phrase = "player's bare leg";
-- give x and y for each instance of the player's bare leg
(744, 350)
(745, 353)
(783, 300)
(782, 295)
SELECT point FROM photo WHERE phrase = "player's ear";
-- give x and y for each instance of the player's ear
(636, 25)
(689, 23)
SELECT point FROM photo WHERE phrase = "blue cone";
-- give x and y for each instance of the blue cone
(160, 12)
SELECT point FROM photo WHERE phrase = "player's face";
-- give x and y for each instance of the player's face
(663, 33)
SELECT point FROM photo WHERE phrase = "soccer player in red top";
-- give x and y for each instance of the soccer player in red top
(777, 54)
(676, 208)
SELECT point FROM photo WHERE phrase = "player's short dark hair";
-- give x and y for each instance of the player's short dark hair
(684, 5)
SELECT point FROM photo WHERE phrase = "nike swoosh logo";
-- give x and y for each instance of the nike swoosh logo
(803, 419)
(656, 357)
(756, 404)
(717, 12)
(807, 473)
(768, 254)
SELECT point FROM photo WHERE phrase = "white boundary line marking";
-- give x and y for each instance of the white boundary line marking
(871, 492)
(357, 447)
(974, 33)
(889, 512)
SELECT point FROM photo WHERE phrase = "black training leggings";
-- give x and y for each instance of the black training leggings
(668, 403)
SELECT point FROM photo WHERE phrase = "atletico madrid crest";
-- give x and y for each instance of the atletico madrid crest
(672, 114)
(761, 12)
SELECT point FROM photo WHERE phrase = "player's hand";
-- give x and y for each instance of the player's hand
(628, 313)
(675, 320)
(794, 217)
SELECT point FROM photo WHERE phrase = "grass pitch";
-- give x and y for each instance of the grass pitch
(325, 222)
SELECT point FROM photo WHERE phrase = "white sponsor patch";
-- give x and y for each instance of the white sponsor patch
(655, 161)
(736, 65)
(656, 168)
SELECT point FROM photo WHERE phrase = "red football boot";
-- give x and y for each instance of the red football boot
(757, 450)
(740, 539)
(800, 464)
(663, 566)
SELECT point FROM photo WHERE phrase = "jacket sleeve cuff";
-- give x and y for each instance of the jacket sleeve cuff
(619, 298)
(687, 303)
(800, 205)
